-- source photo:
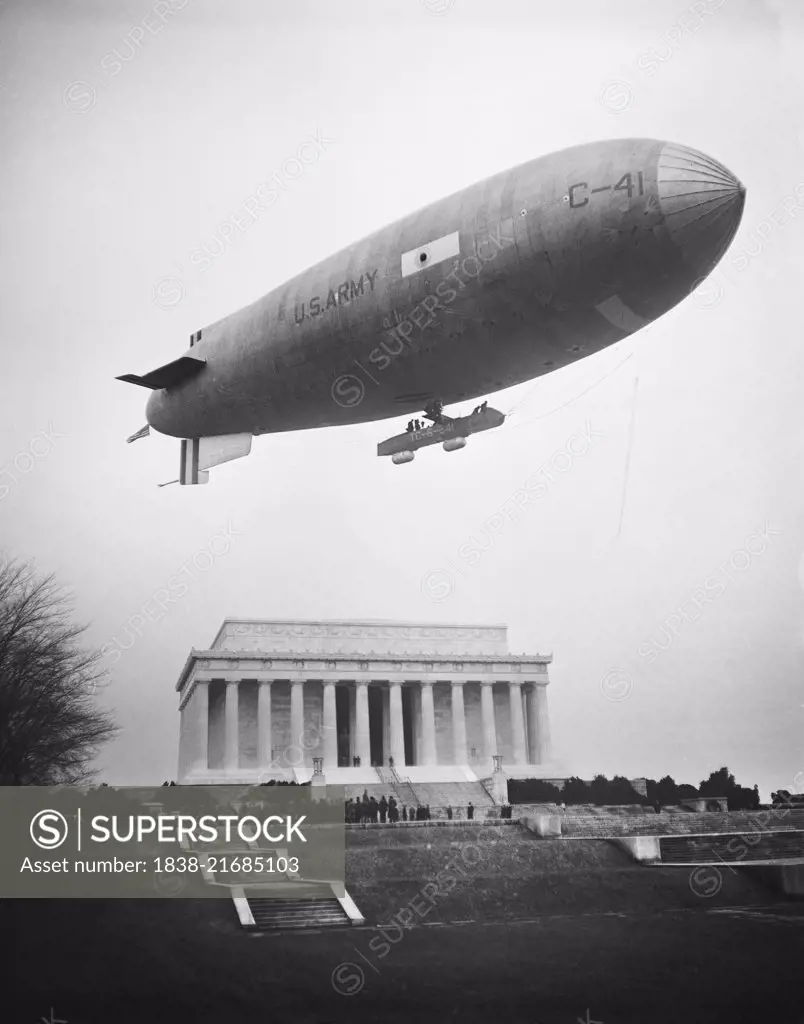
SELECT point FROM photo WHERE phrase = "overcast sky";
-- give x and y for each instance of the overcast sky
(130, 132)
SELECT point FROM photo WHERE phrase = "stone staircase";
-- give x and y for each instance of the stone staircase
(380, 789)
(296, 914)
(439, 795)
(402, 788)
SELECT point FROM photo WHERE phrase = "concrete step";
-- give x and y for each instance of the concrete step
(437, 794)
(453, 794)
(286, 915)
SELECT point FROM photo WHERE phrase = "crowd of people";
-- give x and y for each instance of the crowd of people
(370, 809)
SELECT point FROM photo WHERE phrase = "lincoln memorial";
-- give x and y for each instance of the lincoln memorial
(436, 702)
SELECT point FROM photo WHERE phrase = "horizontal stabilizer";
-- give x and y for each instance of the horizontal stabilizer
(216, 450)
(200, 454)
(169, 375)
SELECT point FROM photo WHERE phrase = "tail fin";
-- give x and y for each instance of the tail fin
(189, 471)
(200, 454)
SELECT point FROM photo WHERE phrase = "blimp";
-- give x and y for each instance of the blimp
(507, 280)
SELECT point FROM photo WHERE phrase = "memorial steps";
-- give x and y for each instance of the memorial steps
(454, 794)
(293, 905)
(438, 795)
(290, 915)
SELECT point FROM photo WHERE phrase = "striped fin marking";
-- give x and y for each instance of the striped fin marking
(425, 256)
(188, 470)
(195, 337)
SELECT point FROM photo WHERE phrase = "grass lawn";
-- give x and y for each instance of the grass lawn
(121, 962)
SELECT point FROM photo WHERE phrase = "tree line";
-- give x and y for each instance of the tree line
(619, 790)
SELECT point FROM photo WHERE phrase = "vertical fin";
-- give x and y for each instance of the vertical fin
(189, 472)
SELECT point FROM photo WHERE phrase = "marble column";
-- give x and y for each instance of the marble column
(489, 728)
(416, 722)
(363, 735)
(459, 725)
(296, 719)
(330, 727)
(542, 725)
(397, 730)
(530, 725)
(231, 758)
(264, 729)
(428, 723)
(352, 694)
(517, 721)
(199, 707)
(386, 724)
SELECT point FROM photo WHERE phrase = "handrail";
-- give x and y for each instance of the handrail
(409, 784)
(398, 782)
(489, 793)
(413, 792)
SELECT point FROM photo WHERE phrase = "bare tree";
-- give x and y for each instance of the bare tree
(50, 725)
